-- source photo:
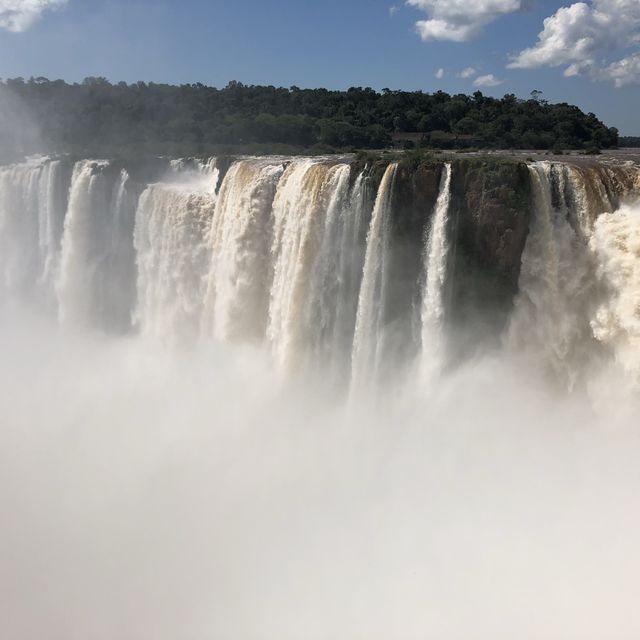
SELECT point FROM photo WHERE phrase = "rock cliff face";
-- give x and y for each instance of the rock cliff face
(414, 198)
(491, 206)
(490, 211)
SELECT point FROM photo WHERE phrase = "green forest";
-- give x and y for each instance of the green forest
(96, 117)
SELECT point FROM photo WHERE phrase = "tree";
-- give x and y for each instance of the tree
(98, 118)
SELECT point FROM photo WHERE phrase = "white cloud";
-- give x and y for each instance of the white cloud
(467, 73)
(393, 10)
(582, 35)
(19, 15)
(440, 74)
(461, 20)
(487, 81)
(624, 72)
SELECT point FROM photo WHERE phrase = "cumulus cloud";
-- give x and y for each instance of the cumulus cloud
(393, 10)
(487, 81)
(582, 36)
(467, 73)
(19, 15)
(440, 74)
(461, 20)
(625, 71)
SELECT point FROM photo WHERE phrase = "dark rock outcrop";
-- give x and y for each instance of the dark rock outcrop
(491, 206)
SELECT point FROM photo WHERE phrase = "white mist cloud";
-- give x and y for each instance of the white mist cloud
(156, 494)
(582, 35)
(393, 10)
(488, 80)
(19, 15)
(461, 20)
(440, 74)
(467, 73)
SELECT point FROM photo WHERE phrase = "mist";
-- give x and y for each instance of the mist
(19, 131)
(213, 426)
(164, 492)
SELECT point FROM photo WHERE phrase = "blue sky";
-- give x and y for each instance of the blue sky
(420, 44)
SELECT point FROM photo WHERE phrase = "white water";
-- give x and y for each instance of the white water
(577, 311)
(616, 323)
(300, 210)
(171, 230)
(239, 276)
(31, 218)
(93, 286)
(50, 223)
(82, 247)
(280, 256)
(550, 323)
(350, 231)
(368, 342)
(154, 491)
(435, 275)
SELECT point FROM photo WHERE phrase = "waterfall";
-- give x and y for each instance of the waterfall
(285, 256)
(18, 225)
(194, 168)
(328, 283)
(435, 273)
(368, 339)
(550, 322)
(584, 207)
(578, 302)
(94, 283)
(170, 238)
(297, 254)
(302, 208)
(236, 299)
(616, 322)
(50, 225)
(82, 248)
(119, 288)
(344, 263)
(32, 207)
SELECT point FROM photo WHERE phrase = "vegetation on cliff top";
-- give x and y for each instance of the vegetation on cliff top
(100, 118)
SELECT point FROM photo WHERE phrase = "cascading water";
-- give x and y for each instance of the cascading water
(119, 288)
(193, 168)
(306, 250)
(18, 225)
(295, 253)
(94, 283)
(616, 323)
(236, 299)
(150, 490)
(170, 238)
(342, 262)
(550, 319)
(82, 246)
(368, 342)
(577, 298)
(53, 202)
(32, 205)
(435, 274)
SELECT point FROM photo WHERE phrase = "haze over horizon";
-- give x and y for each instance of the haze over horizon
(584, 53)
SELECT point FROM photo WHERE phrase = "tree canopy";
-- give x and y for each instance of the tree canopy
(630, 141)
(96, 117)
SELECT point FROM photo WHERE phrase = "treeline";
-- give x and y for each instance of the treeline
(629, 142)
(97, 117)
